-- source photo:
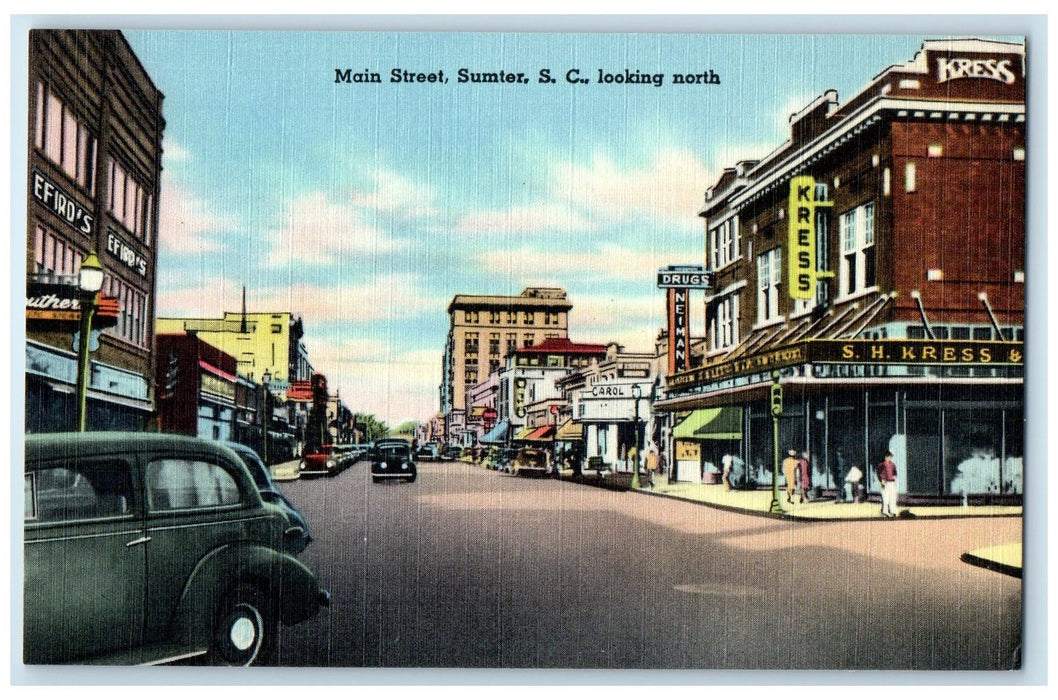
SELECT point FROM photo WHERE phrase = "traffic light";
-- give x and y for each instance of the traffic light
(172, 376)
(776, 399)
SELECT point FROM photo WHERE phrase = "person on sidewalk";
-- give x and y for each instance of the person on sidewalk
(651, 465)
(852, 484)
(804, 472)
(887, 475)
(790, 466)
(728, 461)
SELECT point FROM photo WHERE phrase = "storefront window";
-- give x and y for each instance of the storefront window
(973, 450)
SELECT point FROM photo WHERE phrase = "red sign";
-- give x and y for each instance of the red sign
(58, 307)
(300, 390)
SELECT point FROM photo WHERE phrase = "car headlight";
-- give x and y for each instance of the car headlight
(403, 465)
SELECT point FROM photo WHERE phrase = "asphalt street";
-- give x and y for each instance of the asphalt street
(471, 568)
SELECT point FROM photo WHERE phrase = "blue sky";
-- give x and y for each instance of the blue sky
(366, 208)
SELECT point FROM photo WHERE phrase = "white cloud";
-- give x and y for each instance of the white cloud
(668, 190)
(617, 262)
(371, 379)
(316, 230)
(393, 192)
(546, 217)
(186, 223)
(630, 321)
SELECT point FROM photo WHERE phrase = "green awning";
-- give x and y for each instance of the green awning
(724, 423)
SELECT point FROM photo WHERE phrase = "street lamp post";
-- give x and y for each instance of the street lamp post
(776, 411)
(89, 282)
(266, 381)
(636, 394)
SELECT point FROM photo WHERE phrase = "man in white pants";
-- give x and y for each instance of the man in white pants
(887, 475)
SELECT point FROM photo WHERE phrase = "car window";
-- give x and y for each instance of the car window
(78, 491)
(176, 484)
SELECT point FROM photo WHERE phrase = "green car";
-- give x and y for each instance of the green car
(145, 548)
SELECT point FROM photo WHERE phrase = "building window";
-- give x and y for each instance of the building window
(527, 318)
(724, 243)
(470, 344)
(64, 139)
(132, 318)
(528, 340)
(130, 202)
(512, 317)
(53, 255)
(494, 317)
(909, 178)
(550, 318)
(494, 344)
(857, 250)
(723, 330)
(769, 272)
(277, 328)
(470, 316)
(512, 342)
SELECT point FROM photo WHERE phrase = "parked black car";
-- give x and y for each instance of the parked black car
(270, 493)
(143, 548)
(392, 458)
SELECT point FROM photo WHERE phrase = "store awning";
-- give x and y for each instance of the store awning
(570, 431)
(724, 423)
(523, 433)
(497, 435)
(541, 434)
(477, 412)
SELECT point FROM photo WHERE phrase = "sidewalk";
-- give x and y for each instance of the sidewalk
(1004, 558)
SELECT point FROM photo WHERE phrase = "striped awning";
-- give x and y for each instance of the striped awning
(570, 431)
(541, 434)
(724, 423)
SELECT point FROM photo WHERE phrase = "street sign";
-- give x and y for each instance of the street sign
(802, 239)
(685, 277)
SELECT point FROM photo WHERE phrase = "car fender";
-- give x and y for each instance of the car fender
(285, 580)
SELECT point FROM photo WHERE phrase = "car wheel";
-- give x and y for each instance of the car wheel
(411, 479)
(375, 479)
(244, 630)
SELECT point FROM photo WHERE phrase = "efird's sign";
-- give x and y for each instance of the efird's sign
(803, 271)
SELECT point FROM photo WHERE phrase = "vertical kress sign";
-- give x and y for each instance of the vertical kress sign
(678, 280)
(803, 267)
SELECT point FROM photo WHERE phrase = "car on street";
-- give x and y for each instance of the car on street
(530, 460)
(452, 452)
(503, 460)
(428, 451)
(346, 455)
(392, 458)
(146, 548)
(270, 493)
(321, 461)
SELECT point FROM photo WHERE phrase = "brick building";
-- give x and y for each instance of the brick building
(876, 262)
(95, 150)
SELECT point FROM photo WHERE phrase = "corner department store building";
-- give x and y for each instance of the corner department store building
(93, 184)
(912, 338)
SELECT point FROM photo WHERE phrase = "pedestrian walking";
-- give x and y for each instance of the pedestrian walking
(728, 461)
(651, 465)
(887, 475)
(804, 469)
(790, 465)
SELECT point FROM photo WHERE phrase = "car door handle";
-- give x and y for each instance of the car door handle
(142, 540)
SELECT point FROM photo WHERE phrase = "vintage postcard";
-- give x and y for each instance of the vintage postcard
(498, 349)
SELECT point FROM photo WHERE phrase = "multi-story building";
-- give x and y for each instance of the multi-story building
(528, 385)
(95, 150)
(875, 262)
(260, 342)
(483, 329)
(268, 350)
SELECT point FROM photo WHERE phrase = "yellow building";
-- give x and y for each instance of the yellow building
(260, 342)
